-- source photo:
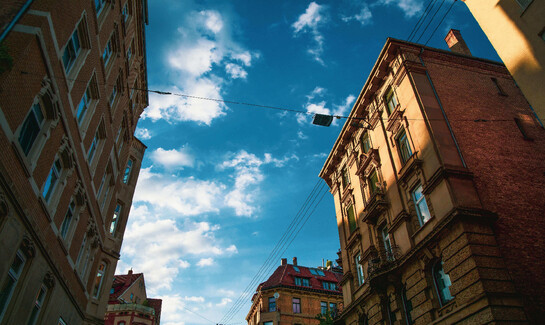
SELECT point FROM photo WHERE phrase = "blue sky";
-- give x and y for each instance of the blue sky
(221, 182)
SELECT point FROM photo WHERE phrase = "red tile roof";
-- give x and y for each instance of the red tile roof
(156, 304)
(121, 283)
(285, 276)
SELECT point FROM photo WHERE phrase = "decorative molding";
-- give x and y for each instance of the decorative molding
(27, 246)
(49, 280)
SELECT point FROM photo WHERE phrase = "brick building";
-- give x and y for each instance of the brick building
(296, 294)
(129, 304)
(516, 29)
(69, 160)
(437, 178)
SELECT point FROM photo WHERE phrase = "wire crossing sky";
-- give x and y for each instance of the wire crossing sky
(229, 183)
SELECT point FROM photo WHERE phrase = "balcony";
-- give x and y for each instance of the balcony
(131, 307)
(384, 261)
(374, 207)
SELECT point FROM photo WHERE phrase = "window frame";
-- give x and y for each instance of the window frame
(114, 224)
(296, 305)
(128, 169)
(373, 187)
(403, 146)
(417, 204)
(437, 269)
(272, 304)
(49, 187)
(351, 217)
(66, 226)
(391, 97)
(99, 279)
(37, 308)
(26, 128)
(365, 142)
(80, 55)
(359, 269)
(323, 307)
(15, 276)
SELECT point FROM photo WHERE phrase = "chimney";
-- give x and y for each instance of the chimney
(456, 43)
(130, 272)
(128, 278)
(284, 261)
(295, 261)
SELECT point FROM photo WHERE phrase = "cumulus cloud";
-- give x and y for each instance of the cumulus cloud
(173, 158)
(186, 196)
(203, 48)
(205, 262)
(247, 176)
(158, 246)
(224, 302)
(310, 22)
(409, 7)
(316, 104)
(142, 133)
(364, 17)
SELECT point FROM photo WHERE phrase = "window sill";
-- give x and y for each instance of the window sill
(71, 76)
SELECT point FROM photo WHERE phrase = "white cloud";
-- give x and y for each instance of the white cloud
(301, 135)
(205, 262)
(310, 21)
(173, 158)
(142, 133)
(186, 196)
(194, 299)
(235, 71)
(224, 302)
(155, 245)
(364, 17)
(409, 7)
(247, 176)
(203, 47)
(320, 107)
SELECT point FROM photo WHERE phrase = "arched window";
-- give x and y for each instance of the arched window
(442, 283)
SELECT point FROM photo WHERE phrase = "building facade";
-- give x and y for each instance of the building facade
(69, 160)
(296, 294)
(516, 29)
(129, 304)
(437, 181)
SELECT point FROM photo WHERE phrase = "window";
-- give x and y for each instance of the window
(365, 142)
(62, 322)
(421, 206)
(387, 243)
(99, 5)
(83, 105)
(391, 101)
(403, 146)
(329, 285)
(38, 303)
(296, 269)
(272, 304)
(298, 281)
(125, 11)
(115, 219)
(524, 3)
(498, 87)
(52, 180)
(113, 94)
(10, 282)
(306, 282)
(373, 182)
(65, 226)
(344, 178)
(71, 51)
(359, 269)
(132, 296)
(407, 304)
(98, 279)
(351, 218)
(93, 148)
(267, 323)
(323, 307)
(31, 128)
(442, 283)
(296, 302)
(320, 272)
(333, 308)
(107, 53)
(127, 173)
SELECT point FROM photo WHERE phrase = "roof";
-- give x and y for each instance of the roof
(121, 283)
(284, 276)
(156, 304)
(378, 71)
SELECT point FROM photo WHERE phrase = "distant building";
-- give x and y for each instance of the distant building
(516, 29)
(69, 160)
(296, 294)
(129, 304)
(437, 178)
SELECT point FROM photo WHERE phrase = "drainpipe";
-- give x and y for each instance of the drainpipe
(442, 109)
(15, 19)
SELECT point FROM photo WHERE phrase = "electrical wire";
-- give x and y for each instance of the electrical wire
(440, 22)
(167, 93)
(421, 20)
(282, 245)
(201, 316)
(301, 223)
(431, 19)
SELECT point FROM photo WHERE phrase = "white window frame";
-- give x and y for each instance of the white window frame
(50, 184)
(417, 204)
(15, 276)
(359, 269)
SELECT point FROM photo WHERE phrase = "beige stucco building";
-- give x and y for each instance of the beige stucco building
(433, 179)
(516, 29)
(69, 160)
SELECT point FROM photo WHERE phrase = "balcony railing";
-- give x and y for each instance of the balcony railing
(385, 260)
(132, 307)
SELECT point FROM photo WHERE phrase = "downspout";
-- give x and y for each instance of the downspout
(441, 107)
(15, 19)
